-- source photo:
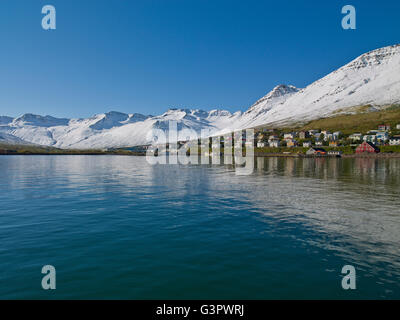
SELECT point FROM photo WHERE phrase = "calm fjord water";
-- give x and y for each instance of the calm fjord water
(116, 227)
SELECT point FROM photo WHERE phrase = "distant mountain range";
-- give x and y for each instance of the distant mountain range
(371, 79)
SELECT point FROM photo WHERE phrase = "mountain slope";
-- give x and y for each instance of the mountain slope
(10, 139)
(373, 78)
(113, 129)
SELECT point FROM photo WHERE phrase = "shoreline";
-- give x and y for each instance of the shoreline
(355, 155)
(381, 155)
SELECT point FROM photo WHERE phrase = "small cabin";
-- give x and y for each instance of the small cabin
(384, 127)
(335, 153)
(291, 143)
(333, 143)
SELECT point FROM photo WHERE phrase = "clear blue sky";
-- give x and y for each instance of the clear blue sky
(148, 56)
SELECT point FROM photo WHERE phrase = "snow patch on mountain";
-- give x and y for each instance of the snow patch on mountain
(10, 139)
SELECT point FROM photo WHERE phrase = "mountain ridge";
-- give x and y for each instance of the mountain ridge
(373, 79)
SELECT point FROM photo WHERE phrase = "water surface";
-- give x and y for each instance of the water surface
(117, 227)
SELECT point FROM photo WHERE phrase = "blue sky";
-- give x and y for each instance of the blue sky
(148, 56)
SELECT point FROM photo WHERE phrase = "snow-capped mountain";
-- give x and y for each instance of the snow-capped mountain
(278, 96)
(373, 78)
(39, 121)
(113, 129)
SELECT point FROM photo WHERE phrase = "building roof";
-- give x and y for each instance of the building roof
(369, 144)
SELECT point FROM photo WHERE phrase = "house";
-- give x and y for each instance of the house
(370, 138)
(398, 127)
(312, 132)
(336, 135)
(273, 137)
(304, 135)
(319, 143)
(335, 153)
(307, 144)
(274, 143)
(395, 141)
(316, 151)
(367, 147)
(288, 136)
(356, 137)
(261, 144)
(333, 143)
(325, 132)
(384, 127)
(328, 137)
(291, 143)
(382, 136)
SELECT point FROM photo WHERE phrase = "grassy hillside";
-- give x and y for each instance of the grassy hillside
(359, 122)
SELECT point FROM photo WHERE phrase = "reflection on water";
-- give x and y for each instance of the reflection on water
(117, 227)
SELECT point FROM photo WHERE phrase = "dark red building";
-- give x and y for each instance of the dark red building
(367, 147)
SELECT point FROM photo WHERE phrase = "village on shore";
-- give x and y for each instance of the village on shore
(286, 142)
(385, 139)
(323, 142)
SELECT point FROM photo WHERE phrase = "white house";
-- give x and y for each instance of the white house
(261, 144)
(334, 153)
(394, 141)
(289, 136)
(382, 136)
(273, 137)
(398, 127)
(370, 138)
(318, 143)
(356, 137)
(274, 143)
(307, 144)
